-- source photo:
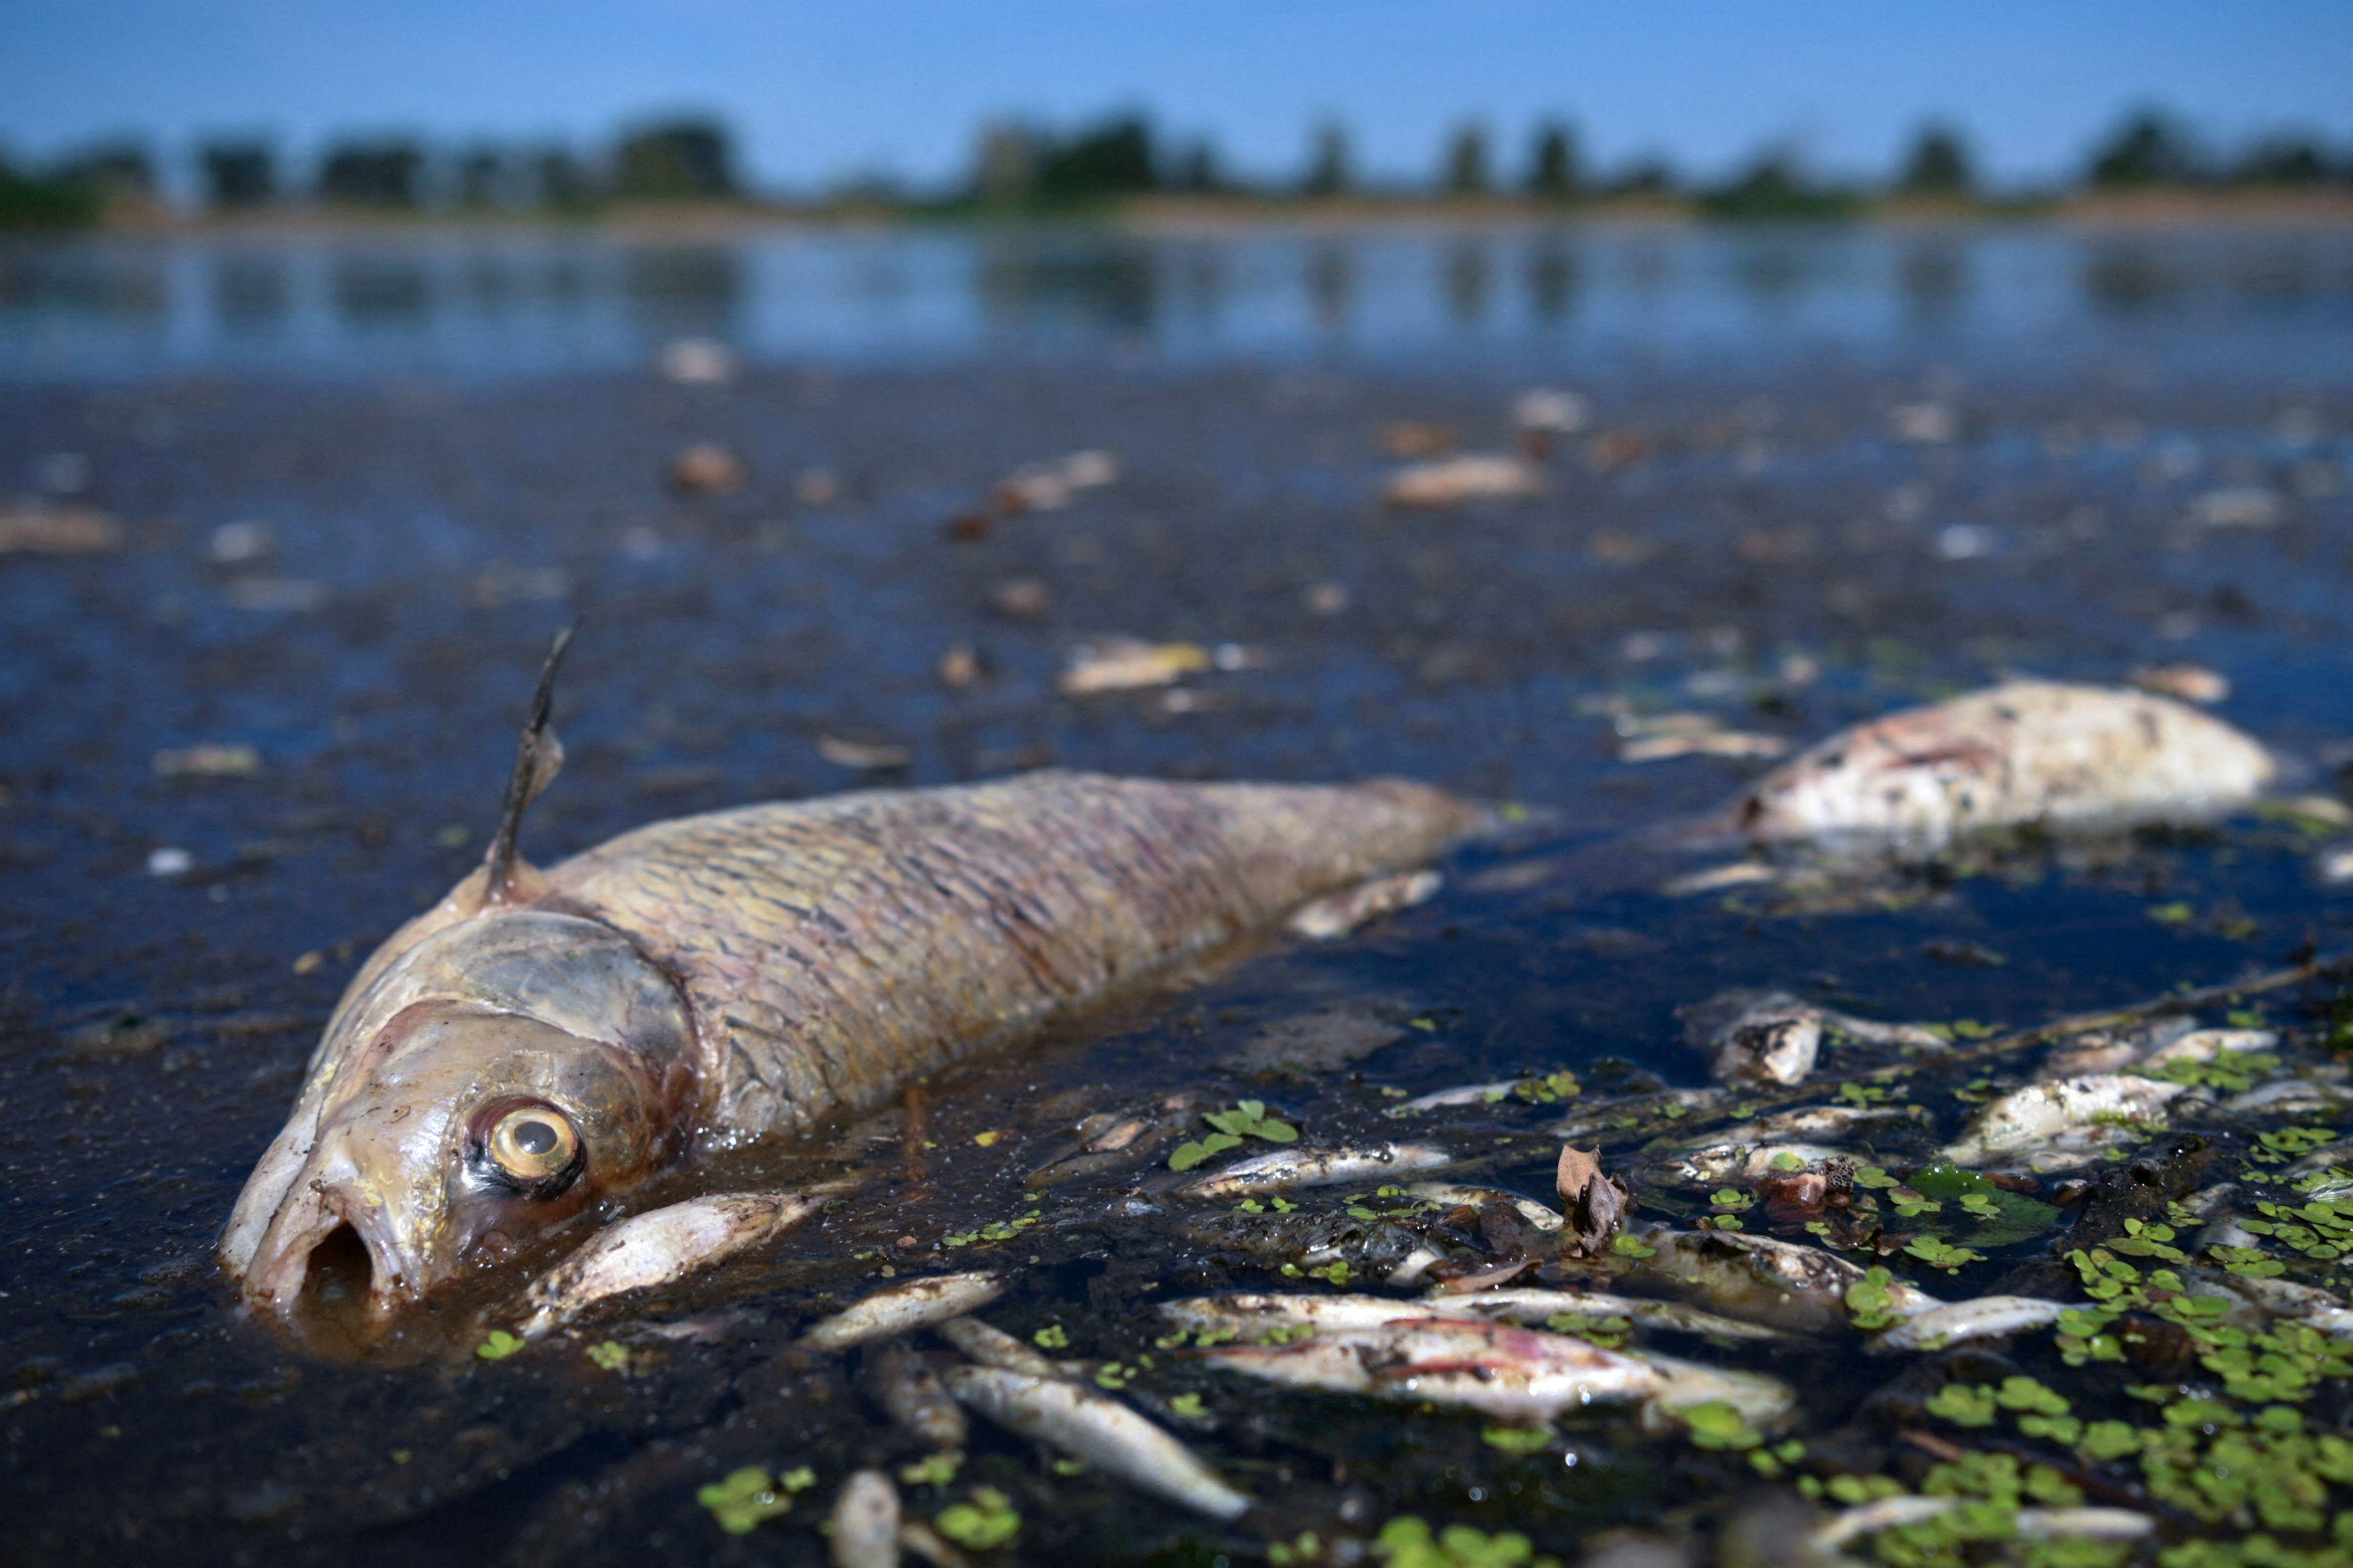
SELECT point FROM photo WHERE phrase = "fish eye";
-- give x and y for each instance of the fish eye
(534, 1144)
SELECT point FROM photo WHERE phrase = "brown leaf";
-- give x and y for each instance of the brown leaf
(1594, 1203)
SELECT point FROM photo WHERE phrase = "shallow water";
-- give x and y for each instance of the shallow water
(451, 485)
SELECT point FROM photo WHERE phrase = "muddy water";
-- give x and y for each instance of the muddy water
(1770, 551)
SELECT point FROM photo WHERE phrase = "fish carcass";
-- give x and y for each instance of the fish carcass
(540, 1040)
(2023, 753)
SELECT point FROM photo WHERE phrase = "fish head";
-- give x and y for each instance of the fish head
(501, 1077)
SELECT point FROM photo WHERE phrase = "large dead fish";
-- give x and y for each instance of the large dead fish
(2025, 752)
(540, 1040)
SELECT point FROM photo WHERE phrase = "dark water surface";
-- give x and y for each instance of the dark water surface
(455, 443)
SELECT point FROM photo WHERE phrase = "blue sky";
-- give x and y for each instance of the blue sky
(819, 90)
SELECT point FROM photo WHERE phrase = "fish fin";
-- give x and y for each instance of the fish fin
(539, 755)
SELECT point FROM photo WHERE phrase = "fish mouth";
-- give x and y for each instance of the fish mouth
(321, 1247)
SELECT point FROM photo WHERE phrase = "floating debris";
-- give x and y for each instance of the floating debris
(42, 528)
(1595, 1203)
(905, 1307)
(658, 1248)
(1340, 914)
(1551, 411)
(1286, 1169)
(866, 756)
(1098, 1430)
(1924, 424)
(2025, 752)
(1528, 1209)
(698, 361)
(241, 543)
(1739, 745)
(707, 469)
(2238, 506)
(209, 761)
(170, 860)
(865, 1520)
(2187, 683)
(1129, 664)
(1053, 485)
(1413, 439)
(1450, 481)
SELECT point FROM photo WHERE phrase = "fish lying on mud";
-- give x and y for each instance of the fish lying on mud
(540, 1040)
(2025, 752)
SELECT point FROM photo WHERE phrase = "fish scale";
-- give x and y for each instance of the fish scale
(831, 950)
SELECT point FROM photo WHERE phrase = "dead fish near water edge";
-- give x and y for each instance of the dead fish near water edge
(541, 1041)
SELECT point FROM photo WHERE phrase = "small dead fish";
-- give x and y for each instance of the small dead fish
(1528, 1305)
(904, 1385)
(1101, 1431)
(866, 1522)
(1336, 916)
(992, 1346)
(1716, 1164)
(1986, 1318)
(1764, 1402)
(2052, 1126)
(1474, 476)
(1517, 1375)
(2022, 752)
(1129, 664)
(1759, 1277)
(542, 1040)
(1287, 1168)
(2208, 1044)
(905, 1307)
(1776, 1040)
(1535, 1213)
(649, 1249)
(2290, 1097)
(2030, 1523)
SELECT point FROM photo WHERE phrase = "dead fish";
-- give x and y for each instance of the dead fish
(1776, 1040)
(1763, 1401)
(1474, 476)
(1517, 1375)
(542, 1040)
(1529, 1305)
(903, 1308)
(1104, 1433)
(1535, 1213)
(2022, 752)
(1986, 1318)
(1759, 1277)
(649, 1249)
(1286, 1169)
(1329, 918)
(2051, 1126)
(866, 1522)
(2030, 1523)
(1600, 1118)
(904, 1385)
(992, 1346)
(1716, 1164)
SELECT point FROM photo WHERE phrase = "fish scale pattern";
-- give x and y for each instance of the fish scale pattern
(833, 949)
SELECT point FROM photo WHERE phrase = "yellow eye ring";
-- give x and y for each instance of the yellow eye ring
(533, 1143)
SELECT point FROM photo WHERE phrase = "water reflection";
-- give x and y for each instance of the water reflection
(487, 302)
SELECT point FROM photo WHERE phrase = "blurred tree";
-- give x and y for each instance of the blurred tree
(561, 180)
(1329, 168)
(120, 171)
(1774, 188)
(62, 199)
(2148, 149)
(1939, 164)
(379, 174)
(484, 177)
(238, 174)
(1465, 173)
(1197, 169)
(1553, 174)
(1005, 171)
(678, 160)
(2283, 161)
(1112, 159)
(1643, 177)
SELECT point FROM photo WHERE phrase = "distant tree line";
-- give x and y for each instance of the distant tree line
(1019, 165)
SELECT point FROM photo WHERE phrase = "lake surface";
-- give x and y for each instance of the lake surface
(541, 300)
(355, 483)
